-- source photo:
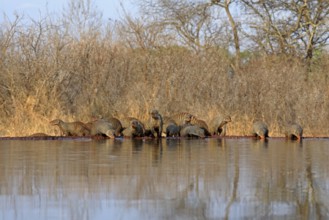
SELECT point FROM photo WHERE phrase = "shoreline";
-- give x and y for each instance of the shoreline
(144, 138)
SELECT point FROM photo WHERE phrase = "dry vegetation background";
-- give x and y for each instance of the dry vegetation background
(77, 65)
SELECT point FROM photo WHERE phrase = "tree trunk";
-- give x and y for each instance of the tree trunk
(235, 36)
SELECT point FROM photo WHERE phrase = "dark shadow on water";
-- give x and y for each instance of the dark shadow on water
(221, 142)
(298, 143)
(173, 143)
(261, 142)
(137, 145)
(156, 148)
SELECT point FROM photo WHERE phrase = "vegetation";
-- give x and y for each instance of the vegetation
(77, 65)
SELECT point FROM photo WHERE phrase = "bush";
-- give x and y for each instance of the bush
(47, 74)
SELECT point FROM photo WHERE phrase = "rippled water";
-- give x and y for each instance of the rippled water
(166, 179)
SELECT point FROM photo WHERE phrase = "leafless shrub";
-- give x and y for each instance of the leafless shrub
(47, 72)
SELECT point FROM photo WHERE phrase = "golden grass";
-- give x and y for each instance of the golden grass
(74, 79)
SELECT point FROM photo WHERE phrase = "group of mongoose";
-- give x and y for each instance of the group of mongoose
(178, 125)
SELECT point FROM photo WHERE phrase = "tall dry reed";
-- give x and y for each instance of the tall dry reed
(46, 73)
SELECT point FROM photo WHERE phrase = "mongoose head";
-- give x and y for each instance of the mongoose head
(154, 114)
(134, 124)
(187, 118)
(227, 119)
(55, 122)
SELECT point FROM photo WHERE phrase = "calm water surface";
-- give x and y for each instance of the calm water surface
(166, 179)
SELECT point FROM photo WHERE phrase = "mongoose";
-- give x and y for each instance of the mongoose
(156, 123)
(111, 127)
(218, 125)
(294, 131)
(76, 128)
(260, 130)
(192, 131)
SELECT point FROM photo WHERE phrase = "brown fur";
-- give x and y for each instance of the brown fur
(111, 127)
(136, 129)
(182, 118)
(260, 129)
(172, 129)
(294, 131)
(117, 126)
(192, 131)
(126, 122)
(76, 128)
(218, 125)
(203, 125)
(156, 123)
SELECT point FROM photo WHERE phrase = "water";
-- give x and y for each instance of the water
(168, 179)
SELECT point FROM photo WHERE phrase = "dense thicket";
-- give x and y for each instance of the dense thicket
(50, 69)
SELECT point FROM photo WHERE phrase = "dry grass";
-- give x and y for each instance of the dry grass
(46, 75)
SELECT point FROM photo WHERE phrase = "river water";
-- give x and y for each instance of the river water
(227, 178)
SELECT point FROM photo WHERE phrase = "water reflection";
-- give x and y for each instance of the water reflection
(164, 179)
(137, 145)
